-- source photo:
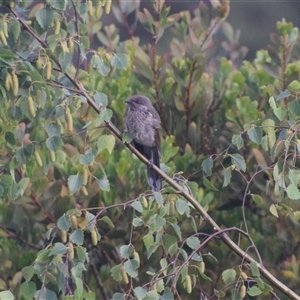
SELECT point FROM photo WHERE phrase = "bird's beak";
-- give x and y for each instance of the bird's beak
(127, 101)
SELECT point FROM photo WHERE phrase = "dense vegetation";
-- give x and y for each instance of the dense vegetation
(77, 220)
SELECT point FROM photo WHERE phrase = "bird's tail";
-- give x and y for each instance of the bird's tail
(154, 180)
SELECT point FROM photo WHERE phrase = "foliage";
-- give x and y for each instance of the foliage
(73, 198)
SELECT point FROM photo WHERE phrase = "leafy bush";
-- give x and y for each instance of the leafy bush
(74, 200)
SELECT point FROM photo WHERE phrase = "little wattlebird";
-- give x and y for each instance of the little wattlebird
(142, 124)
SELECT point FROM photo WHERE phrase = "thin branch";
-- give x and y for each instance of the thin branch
(12, 235)
(99, 283)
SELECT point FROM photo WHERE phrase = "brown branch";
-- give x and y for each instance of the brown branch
(12, 235)
(39, 205)
(99, 283)
(79, 37)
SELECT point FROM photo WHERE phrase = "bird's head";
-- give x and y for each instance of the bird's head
(138, 100)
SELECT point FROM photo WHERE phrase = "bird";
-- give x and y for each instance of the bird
(142, 124)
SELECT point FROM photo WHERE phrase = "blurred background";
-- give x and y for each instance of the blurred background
(255, 19)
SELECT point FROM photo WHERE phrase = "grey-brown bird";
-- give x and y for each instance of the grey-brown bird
(143, 124)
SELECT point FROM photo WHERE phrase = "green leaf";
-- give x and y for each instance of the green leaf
(105, 115)
(87, 295)
(101, 66)
(65, 60)
(137, 206)
(229, 276)
(238, 161)
(53, 143)
(227, 177)
(58, 4)
(87, 158)
(77, 270)
(53, 129)
(131, 267)
(193, 242)
(101, 99)
(58, 249)
(79, 288)
(20, 156)
(126, 251)
(254, 269)
(293, 36)
(207, 165)
(7, 56)
(23, 184)
(158, 198)
(152, 295)
(119, 296)
(209, 185)
(115, 272)
(294, 85)
(293, 192)
(284, 94)
(254, 291)
(148, 240)
(238, 141)
(82, 254)
(75, 183)
(119, 61)
(255, 134)
(106, 142)
(7, 295)
(85, 41)
(140, 292)
(182, 207)
(280, 113)
(43, 256)
(257, 199)
(44, 17)
(177, 230)
(167, 295)
(205, 277)
(269, 127)
(15, 113)
(23, 153)
(294, 107)
(15, 191)
(108, 221)
(28, 272)
(64, 223)
(272, 102)
(273, 210)
(10, 138)
(136, 222)
(28, 289)
(103, 183)
(160, 286)
(90, 220)
(294, 176)
(297, 215)
(170, 244)
(44, 293)
(76, 237)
